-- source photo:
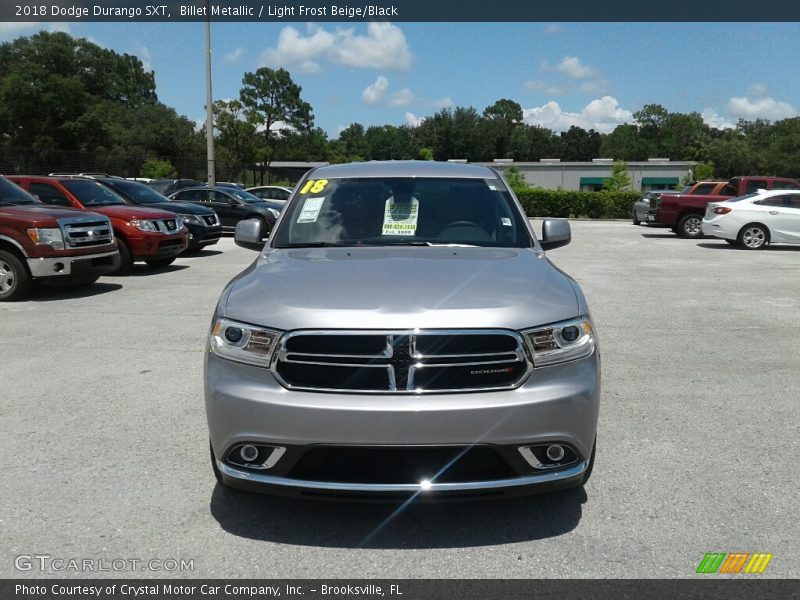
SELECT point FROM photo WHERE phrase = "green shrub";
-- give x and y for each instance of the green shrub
(539, 202)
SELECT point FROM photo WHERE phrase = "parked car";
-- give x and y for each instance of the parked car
(403, 332)
(50, 245)
(232, 205)
(271, 192)
(684, 212)
(754, 220)
(170, 186)
(230, 184)
(202, 222)
(642, 206)
(143, 234)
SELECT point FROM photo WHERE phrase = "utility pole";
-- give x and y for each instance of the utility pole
(212, 177)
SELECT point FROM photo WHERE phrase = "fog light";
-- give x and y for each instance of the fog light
(248, 453)
(555, 453)
(58, 267)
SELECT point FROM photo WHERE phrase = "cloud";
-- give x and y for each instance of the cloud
(760, 108)
(601, 114)
(375, 92)
(296, 50)
(403, 98)
(552, 89)
(383, 47)
(572, 67)
(757, 89)
(576, 78)
(440, 103)
(713, 119)
(553, 28)
(146, 57)
(412, 120)
(232, 57)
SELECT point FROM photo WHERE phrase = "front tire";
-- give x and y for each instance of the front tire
(690, 226)
(125, 259)
(753, 237)
(15, 282)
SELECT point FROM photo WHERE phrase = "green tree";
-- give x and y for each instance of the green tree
(236, 133)
(515, 179)
(273, 105)
(620, 179)
(158, 169)
(577, 144)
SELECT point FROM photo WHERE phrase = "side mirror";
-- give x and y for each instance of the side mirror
(250, 234)
(555, 233)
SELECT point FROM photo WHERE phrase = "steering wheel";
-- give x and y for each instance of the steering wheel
(462, 224)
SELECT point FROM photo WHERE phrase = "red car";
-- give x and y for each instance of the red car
(143, 234)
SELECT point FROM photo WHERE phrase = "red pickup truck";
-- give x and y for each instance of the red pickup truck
(143, 234)
(50, 245)
(684, 212)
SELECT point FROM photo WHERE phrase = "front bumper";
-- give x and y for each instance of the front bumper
(62, 267)
(157, 245)
(201, 235)
(245, 404)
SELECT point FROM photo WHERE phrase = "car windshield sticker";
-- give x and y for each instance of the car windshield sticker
(311, 209)
(400, 218)
(506, 221)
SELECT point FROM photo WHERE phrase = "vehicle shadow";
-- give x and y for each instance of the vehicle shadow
(142, 270)
(660, 235)
(52, 293)
(392, 525)
(725, 246)
(199, 252)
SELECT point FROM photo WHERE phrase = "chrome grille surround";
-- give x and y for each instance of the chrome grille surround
(401, 361)
(85, 232)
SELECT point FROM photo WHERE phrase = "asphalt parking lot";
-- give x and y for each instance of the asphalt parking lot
(105, 451)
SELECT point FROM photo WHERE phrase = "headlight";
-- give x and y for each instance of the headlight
(193, 219)
(275, 213)
(561, 342)
(142, 225)
(243, 343)
(52, 237)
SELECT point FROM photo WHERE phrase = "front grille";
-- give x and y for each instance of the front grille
(210, 219)
(166, 225)
(401, 464)
(83, 233)
(401, 361)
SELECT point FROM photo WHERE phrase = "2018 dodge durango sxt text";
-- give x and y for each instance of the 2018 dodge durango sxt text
(402, 332)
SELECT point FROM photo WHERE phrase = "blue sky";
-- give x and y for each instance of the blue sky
(587, 74)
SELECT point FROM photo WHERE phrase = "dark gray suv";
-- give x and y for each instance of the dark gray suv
(402, 332)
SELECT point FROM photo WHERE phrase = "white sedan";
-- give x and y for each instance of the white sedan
(755, 220)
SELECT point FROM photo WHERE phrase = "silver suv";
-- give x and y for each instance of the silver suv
(402, 333)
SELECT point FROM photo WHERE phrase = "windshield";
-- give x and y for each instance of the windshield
(13, 195)
(92, 193)
(403, 211)
(740, 198)
(137, 192)
(242, 195)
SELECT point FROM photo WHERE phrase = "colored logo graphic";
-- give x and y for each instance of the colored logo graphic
(734, 562)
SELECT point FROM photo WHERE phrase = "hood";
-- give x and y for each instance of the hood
(127, 212)
(401, 288)
(36, 214)
(186, 208)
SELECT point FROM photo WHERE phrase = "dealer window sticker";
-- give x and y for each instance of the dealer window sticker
(400, 218)
(311, 209)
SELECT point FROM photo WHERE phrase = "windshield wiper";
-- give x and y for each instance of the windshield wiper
(422, 243)
(311, 245)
